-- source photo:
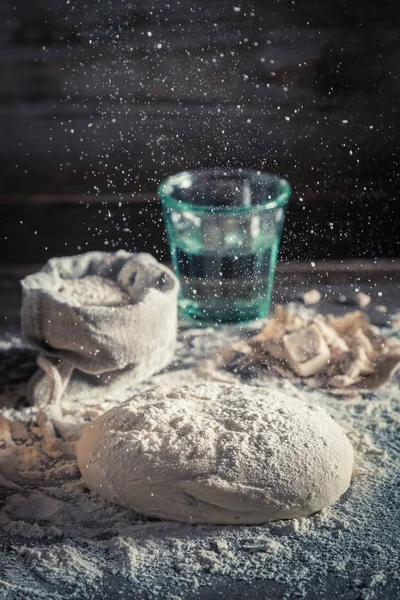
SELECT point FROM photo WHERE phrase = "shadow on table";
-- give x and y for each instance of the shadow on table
(17, 365)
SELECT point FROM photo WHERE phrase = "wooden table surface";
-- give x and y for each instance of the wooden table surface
(382, 281)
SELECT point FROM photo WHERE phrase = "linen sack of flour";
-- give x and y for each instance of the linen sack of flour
(102, 322)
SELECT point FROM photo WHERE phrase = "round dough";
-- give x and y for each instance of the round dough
(216, 453)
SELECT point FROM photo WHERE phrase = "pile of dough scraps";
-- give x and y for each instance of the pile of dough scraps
(345, 355)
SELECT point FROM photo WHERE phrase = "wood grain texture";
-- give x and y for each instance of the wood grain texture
(314, 229)
(321, 271)
(107, 97)
(291, 281)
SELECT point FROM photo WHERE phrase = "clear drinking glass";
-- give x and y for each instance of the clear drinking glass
(224, 228)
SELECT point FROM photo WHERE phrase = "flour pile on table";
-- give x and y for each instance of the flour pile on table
(59, 538)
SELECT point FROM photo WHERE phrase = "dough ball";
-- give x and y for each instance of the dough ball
(215, 453)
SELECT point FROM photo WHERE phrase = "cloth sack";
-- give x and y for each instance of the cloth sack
(101, 351)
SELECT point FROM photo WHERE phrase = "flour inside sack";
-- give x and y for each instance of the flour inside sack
(101, 322)
(94, 290)
(217, 453)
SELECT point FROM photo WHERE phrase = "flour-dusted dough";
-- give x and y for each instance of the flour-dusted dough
(217, 453)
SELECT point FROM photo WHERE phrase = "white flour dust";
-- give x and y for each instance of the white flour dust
(94, 290)
(217, 454)
(61, 540)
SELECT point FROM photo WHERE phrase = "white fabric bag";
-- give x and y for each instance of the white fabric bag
(103, 351)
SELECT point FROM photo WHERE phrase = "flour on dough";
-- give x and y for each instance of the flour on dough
(216, 453)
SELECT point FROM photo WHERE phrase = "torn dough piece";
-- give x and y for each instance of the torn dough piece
(218, 454)
(362, 300)
(311, 297)
(344, 355)
(306, 350)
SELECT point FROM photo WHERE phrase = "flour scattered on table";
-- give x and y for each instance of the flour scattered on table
(59, 538)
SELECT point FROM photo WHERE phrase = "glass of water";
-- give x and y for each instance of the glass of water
(224, 228)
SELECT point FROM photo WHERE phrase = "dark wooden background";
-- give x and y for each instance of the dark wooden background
(100, 99)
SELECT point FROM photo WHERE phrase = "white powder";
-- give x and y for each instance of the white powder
(221, 454)
(94, 290)
(58, 537)
(60, 565)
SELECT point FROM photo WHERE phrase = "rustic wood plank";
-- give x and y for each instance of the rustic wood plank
(313, 197)
(313, 230)
(291, 281)
(361, 270)
(293, 58)
(88, 94)
(234, 131)
(101, 12)
(104, 199)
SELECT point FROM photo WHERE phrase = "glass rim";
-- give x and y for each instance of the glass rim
(277, 201)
